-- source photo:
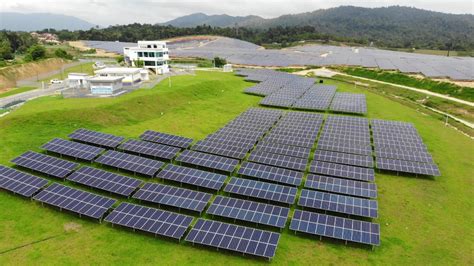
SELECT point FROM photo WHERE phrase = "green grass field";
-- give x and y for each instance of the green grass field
(423, 220)
(16, 91)
(81, 68)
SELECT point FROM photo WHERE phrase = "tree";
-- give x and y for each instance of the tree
(5, 51)
(61, 53)
(36, 52)
(138, 63)
(120, 59)
(219, 62)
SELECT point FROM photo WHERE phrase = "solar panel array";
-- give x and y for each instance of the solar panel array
(209, 161)
(150, 220)
(349, 103)
(336, 227)
(235, 238)
(341, 186)
(132, 163)
(192, 176)
(289, 93)
(271, 173)
(20, 183)
(173, 196)
(318, 97)
(399, 147)
(167, 139)
(342, 170)
(96, 138)
(154, 150)
(250, 211)
(261, 190)
(74, 200)
(73, 149)
(338, 203)
(45, 164)
(104, 180)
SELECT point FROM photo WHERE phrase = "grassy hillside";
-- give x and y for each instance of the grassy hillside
(423, 221)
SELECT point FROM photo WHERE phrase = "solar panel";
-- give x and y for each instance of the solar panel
(151, 149)
(336, 227)
(408, 166)
(289, 162)
(250, 211)
(338, 203)
(103, 180)
(283, 149)
(220, 149)
(261, 190)
(173, 196)
(208, 161)
(74, 200)
(167, 139)
(192, 176)
(96, 138)
(45, 164)
(271, 173)
(20, 183)
(129, 162)
(150, 220)
(341, 170)
(344, 158)
(341, 186)
(73, 149)
(233, 237)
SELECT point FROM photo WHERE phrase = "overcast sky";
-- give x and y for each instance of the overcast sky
(110, 12)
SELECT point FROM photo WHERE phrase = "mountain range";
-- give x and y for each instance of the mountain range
(38, 21)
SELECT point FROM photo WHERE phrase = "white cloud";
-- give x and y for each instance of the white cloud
(110, 12)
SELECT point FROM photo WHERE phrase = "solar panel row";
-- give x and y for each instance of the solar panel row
(73, 149)
(261, 190)
(154, 150)
(192, 176)
(167, 139)
(20, 183)
(132, 163)
(96, 138)
(45, 164)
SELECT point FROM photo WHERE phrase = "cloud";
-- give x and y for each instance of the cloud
(111, 12)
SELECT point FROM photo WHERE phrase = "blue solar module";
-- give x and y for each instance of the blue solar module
(192, 176)
(338, 203)
(344, 158)
(336, 227)
(271, 173)
(430, 169)
(74, 200)
(20, 183)
(283, 149)
(342, 170)
(151, 149)
(130, 162)
(150, 220)
(222, 149)
(208, 161)
(233, 237)
(173, 196)
(96, 138)
(261, 190)
(45, 164)
(166, 139)
(107, 181)
(73, 149)
(341, 186)
(250, 211)
(279, 160)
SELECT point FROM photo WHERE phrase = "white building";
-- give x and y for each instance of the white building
(130, 75)
(77, 80)
(105, 85)
(153, 54)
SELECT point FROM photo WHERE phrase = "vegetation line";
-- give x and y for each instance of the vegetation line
(29, 244)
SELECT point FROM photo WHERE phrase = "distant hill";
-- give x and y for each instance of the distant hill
(39, 21)
(198, 19)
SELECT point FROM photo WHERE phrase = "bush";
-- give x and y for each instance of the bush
(219, 62)
(61, 53)
(35, 52)
(120, 59)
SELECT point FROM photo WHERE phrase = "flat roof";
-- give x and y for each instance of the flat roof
(118, 70)
(104, 79)
(78, 74)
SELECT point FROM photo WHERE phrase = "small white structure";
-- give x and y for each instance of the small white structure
(153, 54)
(105, 85)
(227, 68)
(144, 74)
(130, 75)
(77, 80)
